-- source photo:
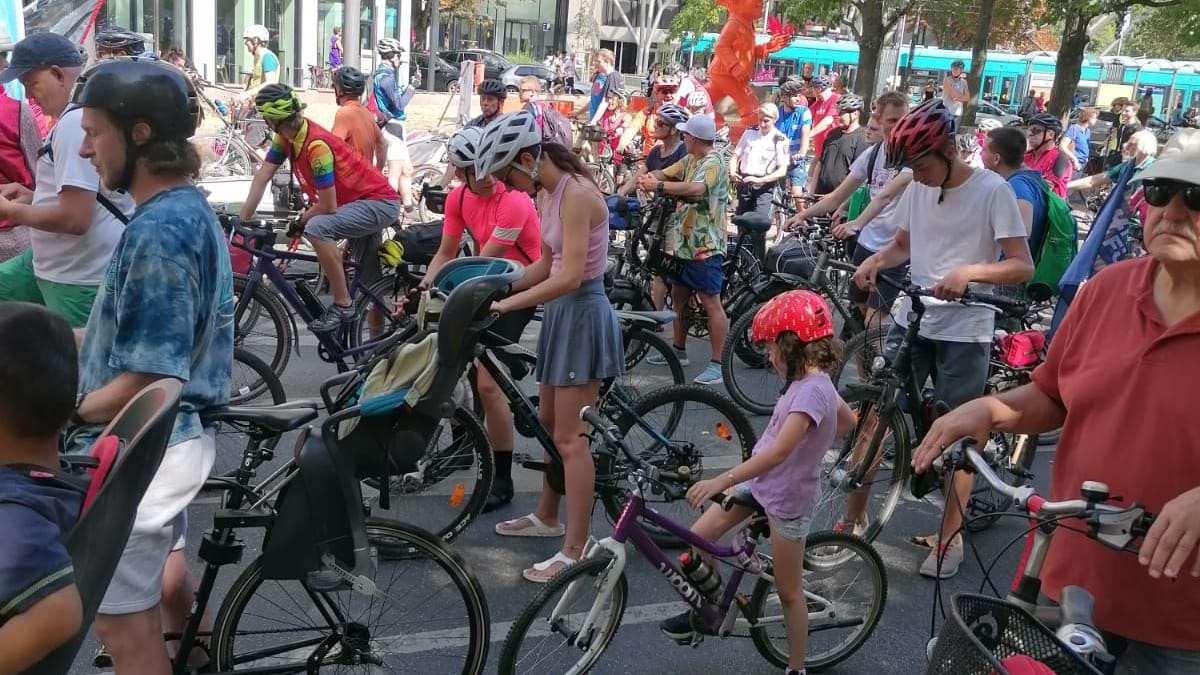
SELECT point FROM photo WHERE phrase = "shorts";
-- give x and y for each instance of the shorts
(73, 302)
(959, 369)
(354, 220)
(884, 293)
(397, 148)
(792, 529)
(160, 526)
(798, 175)
(702, 276)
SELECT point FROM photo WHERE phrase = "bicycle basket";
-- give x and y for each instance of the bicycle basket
(591, 133)
(982, 631)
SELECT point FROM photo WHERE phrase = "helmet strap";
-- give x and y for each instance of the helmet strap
(131, 157)
(532, 173)
(949, 168)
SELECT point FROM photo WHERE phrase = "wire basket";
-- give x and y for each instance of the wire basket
(982, 631)
(591, 133)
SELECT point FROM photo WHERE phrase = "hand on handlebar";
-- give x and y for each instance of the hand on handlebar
(969, 420)
(953, 285)
(1174, 536)
(865, 277)
(843, 230)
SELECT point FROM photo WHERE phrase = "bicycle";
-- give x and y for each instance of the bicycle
(256, 303)
(883, 404)
(586, 633)
(319, 77)
(985, 630)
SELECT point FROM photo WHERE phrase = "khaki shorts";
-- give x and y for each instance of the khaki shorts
(397, 149)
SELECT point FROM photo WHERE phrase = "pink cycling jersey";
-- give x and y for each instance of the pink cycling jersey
(506, 216)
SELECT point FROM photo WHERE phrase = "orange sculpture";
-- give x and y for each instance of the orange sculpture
(734, 55)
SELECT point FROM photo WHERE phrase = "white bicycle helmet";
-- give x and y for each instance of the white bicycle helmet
(989, 123)
(698, 99)
(672, 113)
(504, 139)
(258, 32)
(464, 147)
(389, 46)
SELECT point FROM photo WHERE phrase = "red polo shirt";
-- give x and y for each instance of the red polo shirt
(1130, 387)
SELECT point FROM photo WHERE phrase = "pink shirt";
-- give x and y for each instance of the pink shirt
(506, 217)
(552, 233)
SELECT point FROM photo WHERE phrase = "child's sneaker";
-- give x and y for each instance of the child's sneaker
(683, 627)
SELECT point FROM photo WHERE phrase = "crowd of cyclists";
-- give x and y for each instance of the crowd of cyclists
(124, 249)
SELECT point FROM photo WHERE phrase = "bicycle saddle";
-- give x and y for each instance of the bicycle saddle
(275, 419)
(752, 222)
(647, 319)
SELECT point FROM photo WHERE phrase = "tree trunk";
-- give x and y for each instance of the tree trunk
(421, 17)
(1070, 63)
(978, 60)
(870, 43)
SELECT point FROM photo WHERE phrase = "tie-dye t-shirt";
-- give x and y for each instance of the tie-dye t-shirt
(165, 308)
(699, 226)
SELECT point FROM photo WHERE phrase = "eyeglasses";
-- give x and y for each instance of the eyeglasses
(1159, 193)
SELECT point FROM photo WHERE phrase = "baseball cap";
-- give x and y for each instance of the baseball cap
(702, 127)
(38, 51)
(1179, 160)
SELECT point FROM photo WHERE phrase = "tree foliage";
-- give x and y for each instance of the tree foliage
(1165, 32)
(449, 10)
(1018, 26)
(696, 17)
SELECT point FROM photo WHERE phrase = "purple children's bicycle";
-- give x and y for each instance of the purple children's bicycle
(570, 622)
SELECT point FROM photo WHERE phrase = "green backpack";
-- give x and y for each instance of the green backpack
(860, 198)
(1059, 246)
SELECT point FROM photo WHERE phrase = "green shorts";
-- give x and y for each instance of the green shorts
(70, 301)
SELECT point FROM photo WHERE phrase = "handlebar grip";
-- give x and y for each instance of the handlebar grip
(1077, 606)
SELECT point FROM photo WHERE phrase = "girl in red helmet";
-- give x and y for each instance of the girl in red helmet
(782, 472)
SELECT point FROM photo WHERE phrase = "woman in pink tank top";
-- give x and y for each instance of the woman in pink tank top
(580, 341)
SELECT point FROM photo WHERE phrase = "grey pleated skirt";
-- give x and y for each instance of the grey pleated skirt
(580, 339)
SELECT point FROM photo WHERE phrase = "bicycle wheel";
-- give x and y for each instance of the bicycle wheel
(837, 624)
(371, 322)
(447, 491)
(259, 614)
(879, 450)
(252, 378)
(640, 343)
(603, 178)
(553, 618)
(755, 388)
(429, 175)
(1013, 455)
(751, 355)
(859, 355)
(264, 326)
(686, 425)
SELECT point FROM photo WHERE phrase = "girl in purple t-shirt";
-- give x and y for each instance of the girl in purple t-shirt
(782, 473)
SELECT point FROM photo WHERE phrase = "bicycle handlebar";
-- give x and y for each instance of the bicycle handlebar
(997, 303)
(611, 435)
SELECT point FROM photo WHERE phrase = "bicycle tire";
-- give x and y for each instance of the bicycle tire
(603, 177)
(862, 349)
(528, 617)
(468, 427)
(266, 301)
(268, 381)
(864, 406)
(607, 464)
(413, 539)
(762, 590)
(738, 392)
(638, 344)
(426, 173)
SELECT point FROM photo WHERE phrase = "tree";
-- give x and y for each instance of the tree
(869, 21)
(1166, 32)
(464, 10)
(647, 15)
(979, 49)
(1013, 24)
(1077, 17)
(696, 17)
(587, 29)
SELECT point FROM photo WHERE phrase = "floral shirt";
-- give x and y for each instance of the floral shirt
(698, 230)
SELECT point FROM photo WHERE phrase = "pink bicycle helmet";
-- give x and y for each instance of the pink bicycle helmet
(923, 130)
(801, 312)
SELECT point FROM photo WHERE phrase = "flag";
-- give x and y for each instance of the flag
(1106, 243)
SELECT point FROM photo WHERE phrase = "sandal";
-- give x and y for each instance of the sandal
(528, 526)
(540, 573)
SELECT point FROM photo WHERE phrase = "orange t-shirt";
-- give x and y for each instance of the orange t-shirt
(356, 125)
(1128, 383)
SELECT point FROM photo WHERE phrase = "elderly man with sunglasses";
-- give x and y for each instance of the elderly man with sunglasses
(1120, 379)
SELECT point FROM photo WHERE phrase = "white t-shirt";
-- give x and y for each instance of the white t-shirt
(960, 87)
(881, 230)
(965, 229)
(68, 258)
(761, 155)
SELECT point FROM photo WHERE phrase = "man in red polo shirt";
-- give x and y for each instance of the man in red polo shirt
(825, 119)
(1120, 379)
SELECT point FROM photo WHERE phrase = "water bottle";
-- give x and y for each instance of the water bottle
(704, 578)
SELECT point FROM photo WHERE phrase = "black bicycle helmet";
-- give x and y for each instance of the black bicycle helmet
(791, 87)
(1047, 120)
(121, 41)
(850, 103)
(493, 88)
(277, 101)
(133, 90)
(350, 80)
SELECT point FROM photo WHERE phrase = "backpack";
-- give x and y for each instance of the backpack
(556, 128)
(382, 117)
(1060, 243)
(861, 197)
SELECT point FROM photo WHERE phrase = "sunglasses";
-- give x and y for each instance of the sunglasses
(1159, 193)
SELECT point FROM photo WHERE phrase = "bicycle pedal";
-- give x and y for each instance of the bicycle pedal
(535, 465)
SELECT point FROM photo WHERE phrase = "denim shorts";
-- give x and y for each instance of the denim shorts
(798, 174)
(792, 529)
(703, 276)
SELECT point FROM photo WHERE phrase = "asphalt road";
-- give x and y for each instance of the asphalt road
(897, 645)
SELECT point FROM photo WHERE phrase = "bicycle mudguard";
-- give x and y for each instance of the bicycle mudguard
(317, 512)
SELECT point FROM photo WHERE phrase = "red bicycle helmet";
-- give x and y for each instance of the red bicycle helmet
(802, 312)
(924, 129)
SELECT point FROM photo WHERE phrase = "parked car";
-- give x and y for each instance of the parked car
(444, 79)
(989, 110)
(512, 78)
(493, 63)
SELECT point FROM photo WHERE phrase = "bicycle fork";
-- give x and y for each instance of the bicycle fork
(607, 582)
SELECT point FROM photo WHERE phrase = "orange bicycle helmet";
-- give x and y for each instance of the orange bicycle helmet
(802, 312)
